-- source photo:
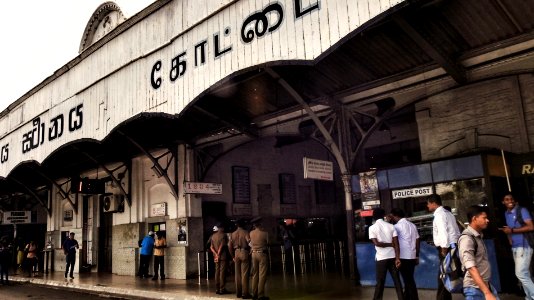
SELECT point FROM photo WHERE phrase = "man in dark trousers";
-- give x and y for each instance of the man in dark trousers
(147, 247)
(219, 248)
(384, 237)
(409, 246)
(240, 251)
(259, 239)
(69, 248)
(445, 234)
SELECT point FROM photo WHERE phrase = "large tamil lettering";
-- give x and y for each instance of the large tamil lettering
(4, 153)
(36, 136)
(256, 25)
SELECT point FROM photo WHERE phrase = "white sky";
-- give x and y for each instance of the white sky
(38, 37)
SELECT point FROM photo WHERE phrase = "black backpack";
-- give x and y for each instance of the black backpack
(529, 236)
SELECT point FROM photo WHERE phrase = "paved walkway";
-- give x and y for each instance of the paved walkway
(319, 286)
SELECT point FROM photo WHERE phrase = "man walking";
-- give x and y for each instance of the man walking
(240, 250)
(474, 257)
(259, 240)
(69, 248)
(409, 251)
(384, 237)
(147, 246)
(445, 233)
(521, 250)
(219, 248)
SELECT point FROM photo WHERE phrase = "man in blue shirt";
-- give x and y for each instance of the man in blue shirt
(147, 246)
(69, 248)
(521, 249)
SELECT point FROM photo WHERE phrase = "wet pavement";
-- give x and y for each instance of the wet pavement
(309, 286)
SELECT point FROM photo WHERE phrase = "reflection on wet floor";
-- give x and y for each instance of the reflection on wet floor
(308, 286)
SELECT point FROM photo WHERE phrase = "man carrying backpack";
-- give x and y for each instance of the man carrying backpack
(474, 257)
(445, 234)
(519, 224)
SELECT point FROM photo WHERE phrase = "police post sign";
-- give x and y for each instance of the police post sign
(414, 192)
(17, 217)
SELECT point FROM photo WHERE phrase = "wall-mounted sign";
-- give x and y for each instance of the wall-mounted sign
(67, 215)
(366, 213)
(241, 184)
(17, 217)
(318, 169)
(159, 209)
(202, 188)
(369, 187)
(413, 192)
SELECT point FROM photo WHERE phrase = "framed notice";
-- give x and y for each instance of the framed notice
(241, 184)
(288, 190)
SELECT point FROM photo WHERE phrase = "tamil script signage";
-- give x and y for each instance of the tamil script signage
(202, 188)
(318, 169)
(413, 192)
(17, 217)
(203, 43)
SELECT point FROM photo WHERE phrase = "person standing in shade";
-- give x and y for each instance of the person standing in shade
(259, 240)
(384, 237)
(69, 248)
(31, 257)
(147, 247)
(445, 234)
(159, 256)
(5, 261)
(474, 257)
(219, 248)
(240, 251)
(409, 246)
(521, 250)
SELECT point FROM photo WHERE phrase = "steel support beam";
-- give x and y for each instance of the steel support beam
(159, 170)
(63, 193)
(33, 194)
(454, 69)
(346, 176)
(110, 173)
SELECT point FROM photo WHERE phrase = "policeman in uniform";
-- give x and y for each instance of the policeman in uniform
(219, 248)
(258, 241)
(240, 250)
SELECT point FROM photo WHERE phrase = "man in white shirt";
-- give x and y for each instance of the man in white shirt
(445, 233)
(384, 237)
(409, 251)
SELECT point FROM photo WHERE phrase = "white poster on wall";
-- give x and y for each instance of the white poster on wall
(318, 169)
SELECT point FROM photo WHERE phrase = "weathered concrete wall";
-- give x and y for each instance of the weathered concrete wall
(125, 249)
(489, 114)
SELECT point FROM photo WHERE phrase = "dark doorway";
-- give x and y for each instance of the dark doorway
(212, 213)
(105, 235)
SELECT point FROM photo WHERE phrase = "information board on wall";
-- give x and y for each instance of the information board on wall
(318, 169)
(159, 209)
(241, 184)
(202, 188)
(17, 217)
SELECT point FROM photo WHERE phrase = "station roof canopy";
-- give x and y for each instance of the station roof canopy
(450, 38)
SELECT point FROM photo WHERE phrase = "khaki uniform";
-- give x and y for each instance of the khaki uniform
(259, 240)
(219, 246)
(239, 241)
